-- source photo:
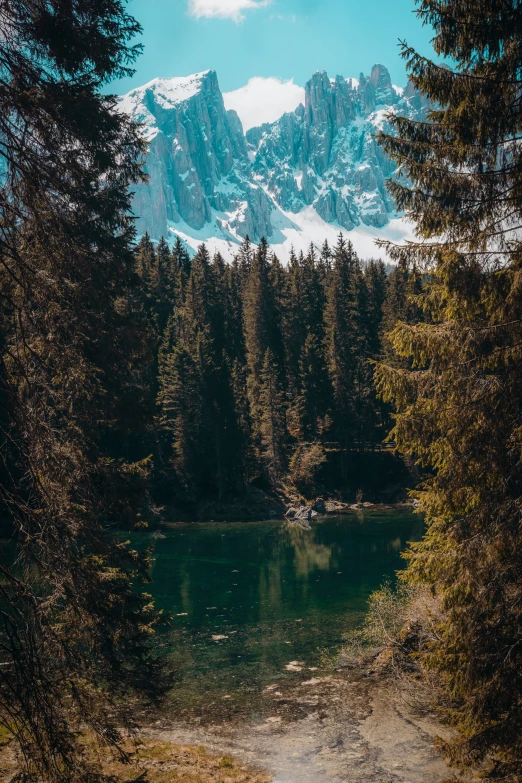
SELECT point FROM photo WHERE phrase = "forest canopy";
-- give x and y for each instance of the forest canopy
(262, 371)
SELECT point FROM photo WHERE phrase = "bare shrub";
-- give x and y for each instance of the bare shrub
(400, 623)
(385, 619)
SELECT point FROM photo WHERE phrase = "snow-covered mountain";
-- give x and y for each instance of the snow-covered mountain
(301, 179)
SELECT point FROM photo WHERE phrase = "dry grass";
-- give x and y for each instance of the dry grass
(399, 627)
(158, 762)
(163, 762)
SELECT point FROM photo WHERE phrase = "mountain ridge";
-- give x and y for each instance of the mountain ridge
(301, 179)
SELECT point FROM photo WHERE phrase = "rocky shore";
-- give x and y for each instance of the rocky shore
(257, 505)
(350, 726)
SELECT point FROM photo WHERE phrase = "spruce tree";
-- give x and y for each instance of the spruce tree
(202, 421)
(315, 393)
(272, 419)
(341, 337)
(244, 258)
(459, 406)
(313, 293)
(181, 259)
(186, 378)
(377, 296)
(325, 261)
(181, 416)
(255, 321)
(167, 284)
(233, 326)
(74, 630)
(292, 320)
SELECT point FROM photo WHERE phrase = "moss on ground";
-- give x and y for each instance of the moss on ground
(160, 762)
(166, 763)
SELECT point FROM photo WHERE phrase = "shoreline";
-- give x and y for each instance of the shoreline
(349, 726)
(235, 512)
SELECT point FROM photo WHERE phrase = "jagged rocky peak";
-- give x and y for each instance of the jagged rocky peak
(197, 162)
(326, 156)
(329, 100)
(207, 179)
(380, 77)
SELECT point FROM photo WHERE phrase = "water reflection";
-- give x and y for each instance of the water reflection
(308, 554)
(272, 592)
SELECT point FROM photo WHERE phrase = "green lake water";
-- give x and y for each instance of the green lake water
(277, 592)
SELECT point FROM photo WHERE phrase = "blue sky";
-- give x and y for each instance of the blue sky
(286, 39)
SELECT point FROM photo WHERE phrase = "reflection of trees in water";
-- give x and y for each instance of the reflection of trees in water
(297, 553)
(309, 556)
(282, 575)
(185, 590)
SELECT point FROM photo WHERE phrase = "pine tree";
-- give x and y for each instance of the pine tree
(167, 284)
(325, 261)
(245, 448)
(145, 259)
(277, 305)
(377, 296)
(181, 259)
(255, 322)
(181, 416)
(205, 433)
(272, 419)
(313, 293)
(75, 629)
(459, 406)
(401, 305)
(315, 394)
(233, 326)
(185, 397)
(244, 258)
(341, 337)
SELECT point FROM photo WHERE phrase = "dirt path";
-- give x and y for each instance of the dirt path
(329, 729)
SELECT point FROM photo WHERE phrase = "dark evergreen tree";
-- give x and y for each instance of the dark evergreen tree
(206, 436)
(167, 283)
(313, 293)
(244, 258)
(376, 282)
(181, 262)
(234, 313)
(272, 419)
(187, 414)
(459, 406)
(341, 340)
(325, 261)
(315, 393)
(74, 630)
(294, 322)
(277, 304)
(256, 322)
(181, 416)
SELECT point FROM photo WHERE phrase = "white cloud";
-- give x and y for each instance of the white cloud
(264, 100)
(224, 9)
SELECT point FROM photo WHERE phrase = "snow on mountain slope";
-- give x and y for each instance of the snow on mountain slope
(167, 93)
(313, 172)
(298, 232)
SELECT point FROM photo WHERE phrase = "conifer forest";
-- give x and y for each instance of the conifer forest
(256, 368)
(149, 389)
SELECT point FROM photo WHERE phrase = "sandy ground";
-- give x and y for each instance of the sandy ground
(335, 728)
